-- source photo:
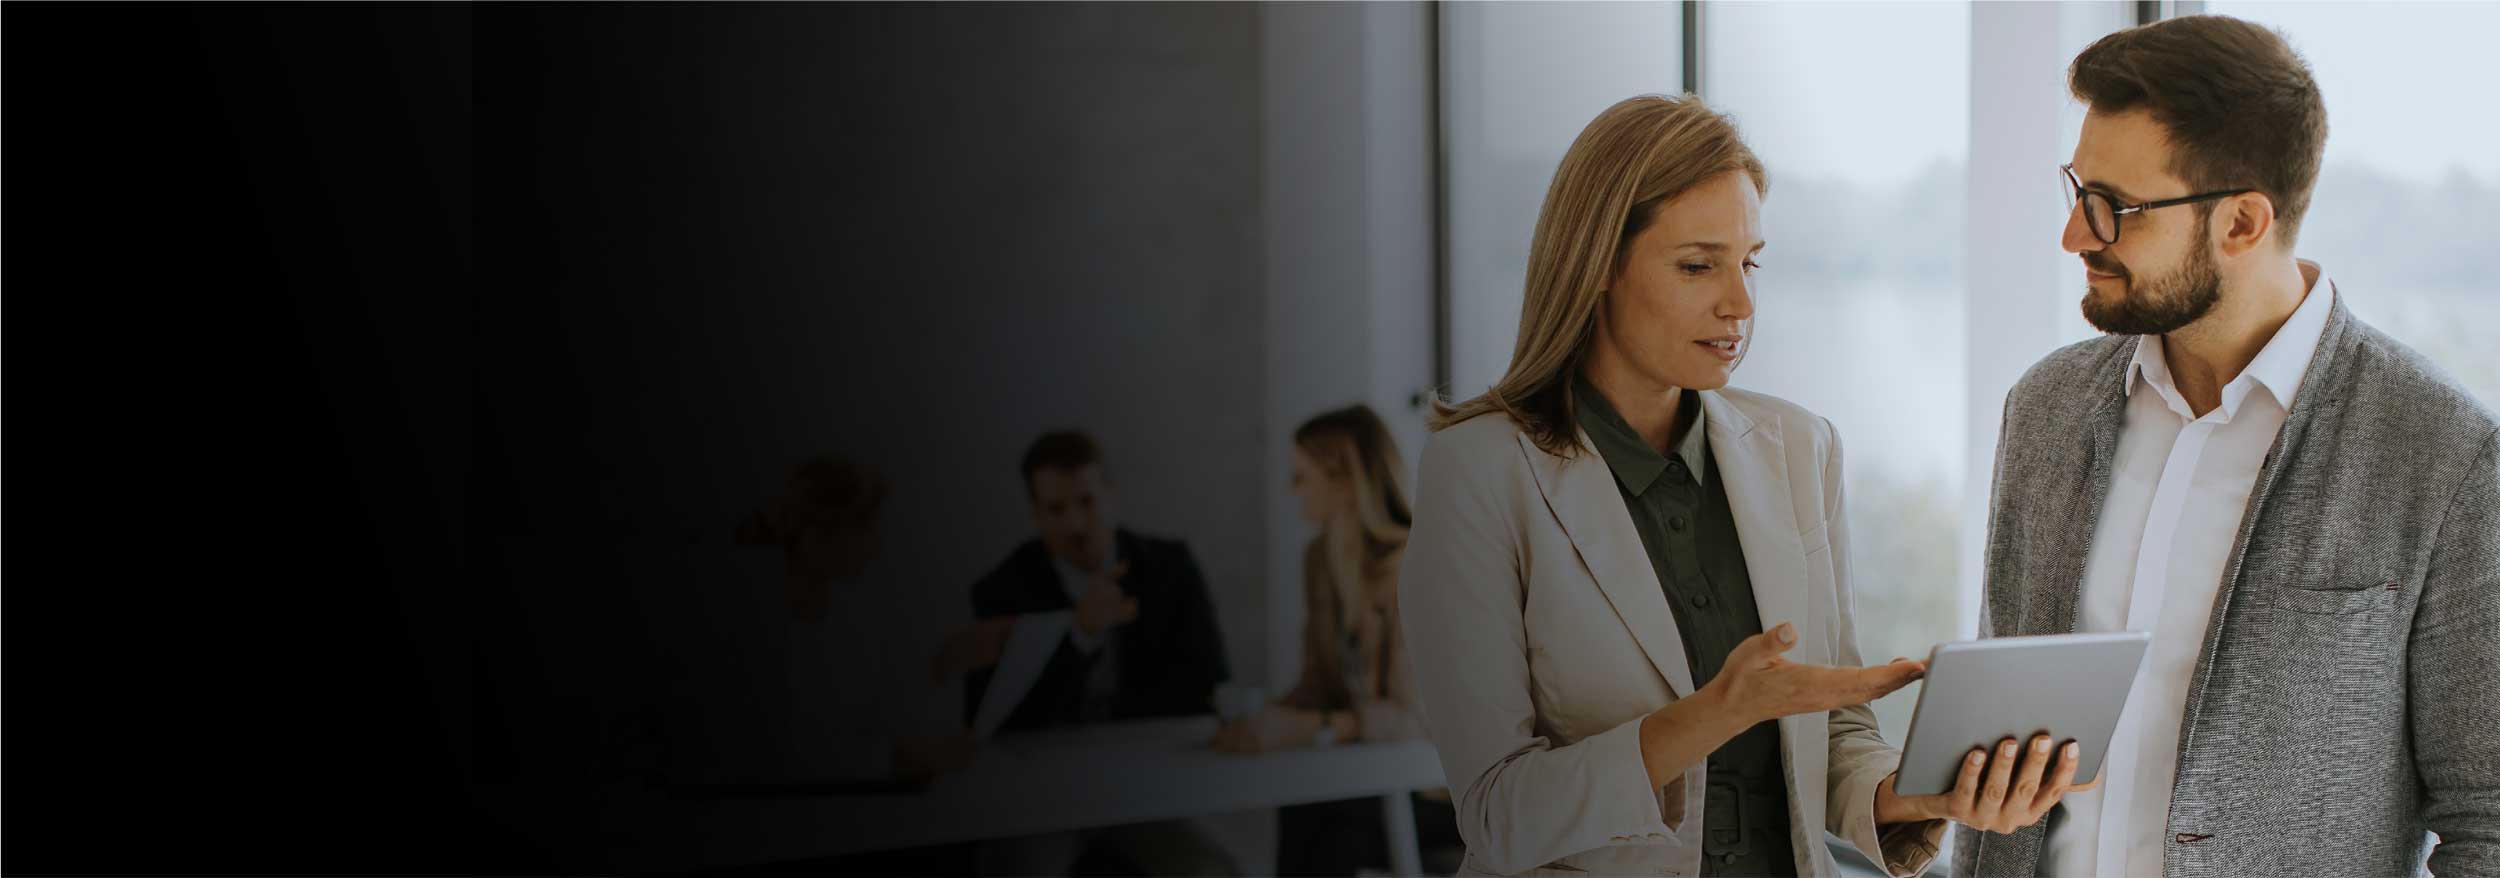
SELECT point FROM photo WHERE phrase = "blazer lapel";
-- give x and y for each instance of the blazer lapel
(1581, 493)
(2058, 607)
(1753, 467)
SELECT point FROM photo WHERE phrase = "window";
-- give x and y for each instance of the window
(1859, 304)
(2408, 204)
(1913, 270)
(1519, 81)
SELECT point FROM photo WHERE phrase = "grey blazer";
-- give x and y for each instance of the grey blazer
(2348, 696)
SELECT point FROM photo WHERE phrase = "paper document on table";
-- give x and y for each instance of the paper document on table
(1030, 645)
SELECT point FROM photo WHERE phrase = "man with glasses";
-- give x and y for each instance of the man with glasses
(2304, 512)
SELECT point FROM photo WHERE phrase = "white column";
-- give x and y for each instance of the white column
(1348, 228)
(2023, 290)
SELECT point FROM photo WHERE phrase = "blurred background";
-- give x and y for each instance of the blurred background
(411, 369)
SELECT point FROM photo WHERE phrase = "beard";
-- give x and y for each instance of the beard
(2159, 305)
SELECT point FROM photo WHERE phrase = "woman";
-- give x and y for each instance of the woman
(1627, 588)
(839, 711)
(1356, 680)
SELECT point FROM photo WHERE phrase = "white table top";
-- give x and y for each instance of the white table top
(1103, 775)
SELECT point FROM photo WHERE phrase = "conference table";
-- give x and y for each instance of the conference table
(1025, 784)
(1056, 781)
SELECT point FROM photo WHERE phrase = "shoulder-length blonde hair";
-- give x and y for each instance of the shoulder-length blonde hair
(1353, 448)
(1638, 154)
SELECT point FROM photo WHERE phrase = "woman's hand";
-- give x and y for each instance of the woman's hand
(2001, 794)
(1758, 683)
(1275, 728)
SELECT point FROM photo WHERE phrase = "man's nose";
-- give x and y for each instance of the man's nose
(2078, 237)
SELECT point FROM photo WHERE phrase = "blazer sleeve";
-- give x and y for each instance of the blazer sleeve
(2454, 677)
(1522, 802)
(1860, 759)
(987, 601)
(1194, 662)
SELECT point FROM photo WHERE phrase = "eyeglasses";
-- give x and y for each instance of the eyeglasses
(2101, 211)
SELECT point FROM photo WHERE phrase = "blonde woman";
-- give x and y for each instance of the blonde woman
(1627, 587)
(1356, 682)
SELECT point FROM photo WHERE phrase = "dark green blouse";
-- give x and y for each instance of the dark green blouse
(1679, 506)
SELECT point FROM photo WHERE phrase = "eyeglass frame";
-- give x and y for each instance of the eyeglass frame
(2119, 208)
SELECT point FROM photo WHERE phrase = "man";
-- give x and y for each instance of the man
(2304, 512)
(1143, 640)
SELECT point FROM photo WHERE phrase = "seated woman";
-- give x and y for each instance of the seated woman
(1356, 681)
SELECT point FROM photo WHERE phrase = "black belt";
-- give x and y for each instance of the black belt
(1731, 817)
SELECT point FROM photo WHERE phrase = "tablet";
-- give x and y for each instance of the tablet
(1980, 692)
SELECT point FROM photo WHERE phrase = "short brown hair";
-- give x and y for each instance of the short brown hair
(2239, 104)
(1059, 450)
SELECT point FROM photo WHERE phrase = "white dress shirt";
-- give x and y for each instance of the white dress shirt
(1102, 679)
(2177, 492)
(1073, 583)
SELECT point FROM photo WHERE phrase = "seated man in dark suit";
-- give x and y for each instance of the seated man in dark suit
(1144, 641)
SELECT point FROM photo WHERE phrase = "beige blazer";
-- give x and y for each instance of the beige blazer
(1356, 664)
(1541, 637)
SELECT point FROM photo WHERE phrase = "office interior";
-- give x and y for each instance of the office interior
(450, 388)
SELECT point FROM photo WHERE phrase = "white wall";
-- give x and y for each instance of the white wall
(1348, 225)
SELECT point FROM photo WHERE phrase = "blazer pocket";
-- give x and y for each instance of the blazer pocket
(2334, 601)
(2337, 662)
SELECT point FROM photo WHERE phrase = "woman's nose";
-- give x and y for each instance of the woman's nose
(1738, 303)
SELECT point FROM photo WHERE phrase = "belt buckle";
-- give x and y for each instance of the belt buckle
(1724, 832)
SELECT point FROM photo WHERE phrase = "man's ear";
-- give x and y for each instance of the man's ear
(2242, 222)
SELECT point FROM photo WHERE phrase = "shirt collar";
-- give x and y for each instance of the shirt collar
(1074, 581)
(2277, 368)
(2286, 357)
(1633, 462)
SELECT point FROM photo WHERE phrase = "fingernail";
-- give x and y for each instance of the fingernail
(1975, 756)
(1788, 632)
(2073, 749)
(2040, 746)
(2007, 748)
